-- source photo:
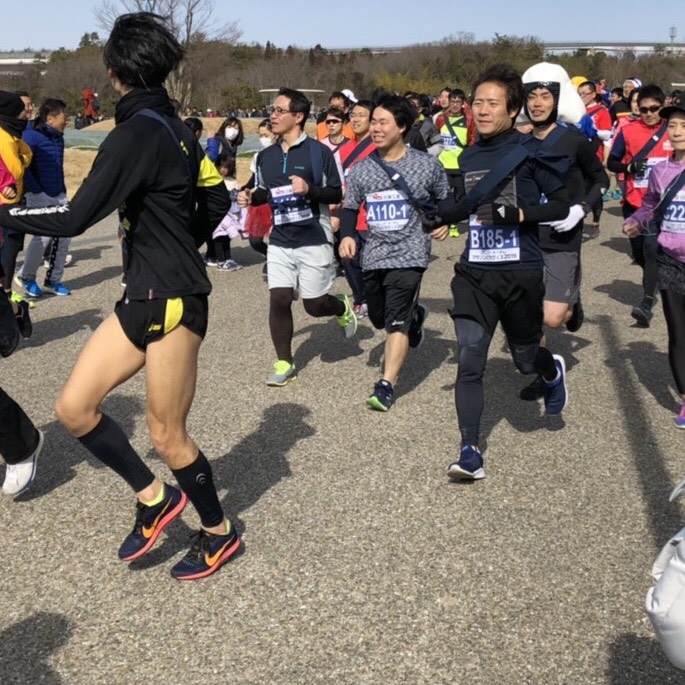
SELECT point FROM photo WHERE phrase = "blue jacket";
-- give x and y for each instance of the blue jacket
(46, 173)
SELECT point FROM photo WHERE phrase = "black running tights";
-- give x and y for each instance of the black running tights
(11, 247)
(674, 312)
(18, 435)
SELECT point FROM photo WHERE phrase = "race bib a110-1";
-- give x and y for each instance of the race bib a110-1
(387, 210)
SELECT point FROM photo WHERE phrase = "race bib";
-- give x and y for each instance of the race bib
(448, 142)
(674, 216)
(642, 180)
(387, 210)
(289, 208)
(493, 244)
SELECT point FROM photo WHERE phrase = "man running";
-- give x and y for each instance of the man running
(397, 250)
(499, 278)
(299, 178)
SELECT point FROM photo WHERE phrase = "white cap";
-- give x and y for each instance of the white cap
(349, 95)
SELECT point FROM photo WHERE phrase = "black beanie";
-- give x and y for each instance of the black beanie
(10, 104)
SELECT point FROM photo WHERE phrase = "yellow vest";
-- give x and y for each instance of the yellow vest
(454, 139)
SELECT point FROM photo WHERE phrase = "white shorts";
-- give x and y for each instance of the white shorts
(308, 269)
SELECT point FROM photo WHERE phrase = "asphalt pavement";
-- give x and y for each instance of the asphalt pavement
(362, 564)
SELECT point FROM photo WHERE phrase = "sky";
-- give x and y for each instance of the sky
(47, 24)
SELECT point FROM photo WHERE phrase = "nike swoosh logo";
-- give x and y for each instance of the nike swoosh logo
(211, 560)
(148, 531)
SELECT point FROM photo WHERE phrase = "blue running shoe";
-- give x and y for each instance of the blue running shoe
(382, 397)
(469, 466)
(151, 521)
(207, 555)
(31, 288)
(57, 288)
(556, 394)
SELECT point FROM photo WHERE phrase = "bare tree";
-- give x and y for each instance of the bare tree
(191, 23)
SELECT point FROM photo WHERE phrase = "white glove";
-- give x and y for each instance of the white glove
(575, 214)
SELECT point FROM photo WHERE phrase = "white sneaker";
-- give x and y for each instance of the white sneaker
(18, 477)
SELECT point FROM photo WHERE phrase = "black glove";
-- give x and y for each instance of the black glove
(498, 215)
(636, 167)
(430, 219)
(9, 328)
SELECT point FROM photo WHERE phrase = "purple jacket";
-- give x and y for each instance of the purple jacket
(672, 233)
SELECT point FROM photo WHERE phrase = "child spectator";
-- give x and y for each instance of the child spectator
(233, 223)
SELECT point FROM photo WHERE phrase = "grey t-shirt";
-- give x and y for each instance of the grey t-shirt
(395, 238)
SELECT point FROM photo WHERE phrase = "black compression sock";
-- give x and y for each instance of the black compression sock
(197, 482)
(108, 443)
(545, 366)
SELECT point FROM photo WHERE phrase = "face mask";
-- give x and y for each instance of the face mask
(265, 141)
(231, 134)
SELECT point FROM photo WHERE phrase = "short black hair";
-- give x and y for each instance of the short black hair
(228, 161)
(141, 50)
(299, 104)
(339, 95)
(510, 80)
(335, 112)
(617, 91)
(366, 104)
(458, 93)
(49, 107)
(403, 112)
(194, 124)
(264, 123)
(652, 92)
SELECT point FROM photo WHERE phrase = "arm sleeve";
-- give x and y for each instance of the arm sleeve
(618, 151)
(555, 209)
(330, 193)
(213, 148)
(596, 179)
(348, 222)
(115, 174)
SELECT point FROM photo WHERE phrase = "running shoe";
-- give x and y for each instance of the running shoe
(207, 554)
(18, 477)
(228, 265)
(283, 373)
(382, 397)
(57, 288)
(210, 261)
(68, 259)
(18, 297)
(361, 310)
(533, 391)
(556, 394)
(348, 320)
(642, 313)
(454, 231)
(594, 231)
(416, 329)
(151, 521)
(23, 318)
(469, 466)
(679, 420)
(577, 318)
(29, 285)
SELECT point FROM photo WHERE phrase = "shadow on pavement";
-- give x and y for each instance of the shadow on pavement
(252, 467)
(86, 253)
(58, 327)
(618, 244)
(327, 341)
(652, 369)
(653, 476)
(27, 647)
(62, 452)
(636, 660)
(95, 277)
(624, 292)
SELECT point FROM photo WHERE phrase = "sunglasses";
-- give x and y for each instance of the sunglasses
(653, 109)
(330, 122)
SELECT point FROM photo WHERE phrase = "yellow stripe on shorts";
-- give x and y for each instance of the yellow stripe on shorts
(173, 314)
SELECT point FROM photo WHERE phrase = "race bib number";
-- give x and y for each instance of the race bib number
(493, 244)
(674, 216)
(289, 208)
(642, 180)
(448, 142)
(387, 210)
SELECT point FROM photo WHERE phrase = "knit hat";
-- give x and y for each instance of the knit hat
(10, 104)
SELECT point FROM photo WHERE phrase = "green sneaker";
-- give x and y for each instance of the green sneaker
(454, 231)
(348, 321)
(283, 372)
(17, 298)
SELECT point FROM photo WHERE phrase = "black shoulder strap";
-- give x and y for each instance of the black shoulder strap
(316, 158)
(552, 138)
(651, 143)
(151, 114)
(358, 150)
(399, 182)
(495, 176)
(676, 186)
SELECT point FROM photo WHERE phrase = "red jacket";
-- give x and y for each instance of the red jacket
(602, 121)
(344, 152)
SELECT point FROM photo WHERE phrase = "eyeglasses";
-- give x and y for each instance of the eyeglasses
(279, 110)
(585, 94)
(652, 109)
(331, 122)
(359, 115)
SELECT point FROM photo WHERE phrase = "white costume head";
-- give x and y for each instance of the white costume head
(570, 108)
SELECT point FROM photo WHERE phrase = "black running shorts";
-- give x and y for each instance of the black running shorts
(145, 321)
(512, 297)
(391, 296)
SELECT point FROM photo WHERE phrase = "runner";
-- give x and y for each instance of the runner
(397, 251)
(636, 149)
(500, 275)
(664, 204)
(550, 98)
(298, 177)
(148, 166)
